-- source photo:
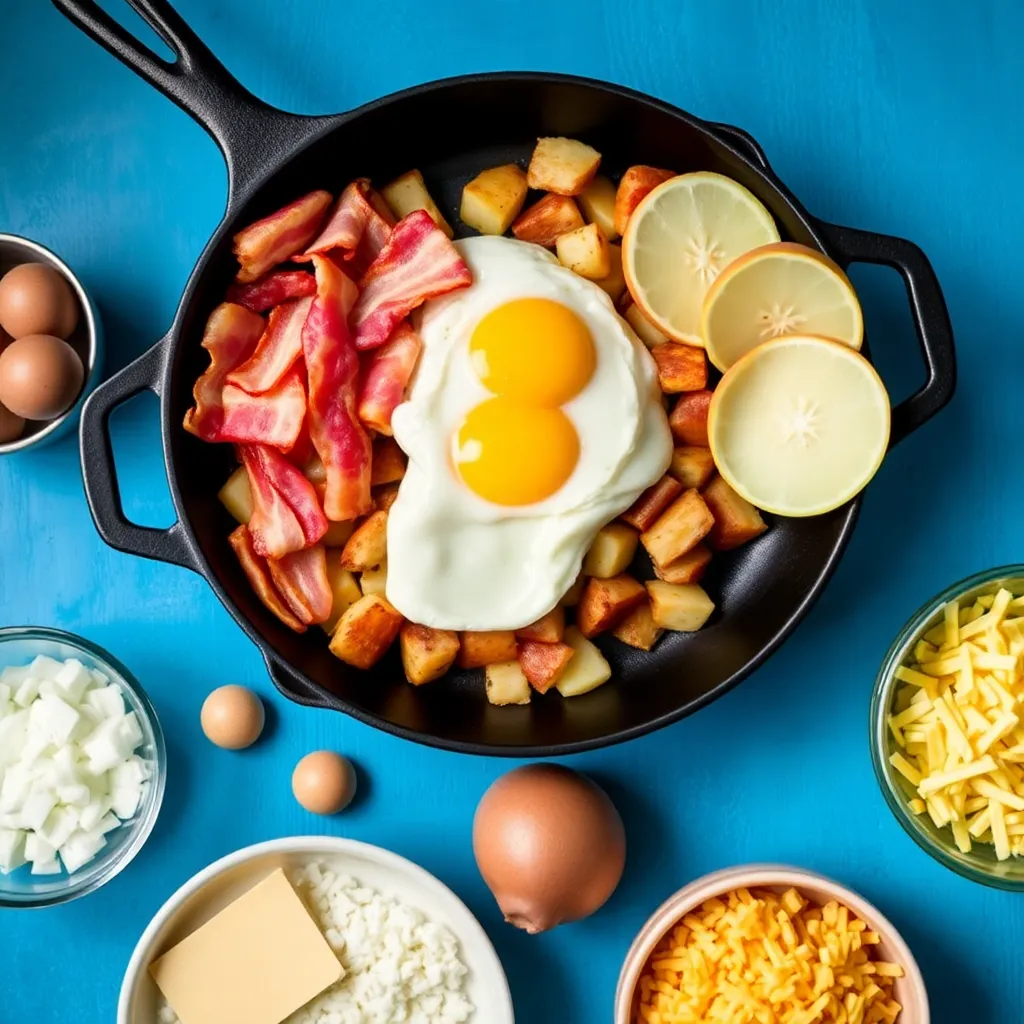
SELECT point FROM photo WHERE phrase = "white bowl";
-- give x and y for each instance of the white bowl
(207, 893)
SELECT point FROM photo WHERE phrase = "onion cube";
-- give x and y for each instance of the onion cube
(38, 849)
(126, 800)
(14, 677)
(132, 772)
(106, 701)
(13, 735)
(12, 849)
(36, 808)
(81, 848)
(99, 678)
(59, 826)
(55, 719)
(91, 815)
(108, 823)
(15, 788)
(43, 667)
(73, 680)
(104, 747)
(74, 794)
(130, 732)
(46, 867)
(27, 692)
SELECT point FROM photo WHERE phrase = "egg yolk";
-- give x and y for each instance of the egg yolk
(511, 453)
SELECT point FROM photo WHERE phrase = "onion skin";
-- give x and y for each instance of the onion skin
(550, 845)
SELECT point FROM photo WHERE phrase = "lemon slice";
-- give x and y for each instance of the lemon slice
(680, 238)
(778, 289)
(799, 425)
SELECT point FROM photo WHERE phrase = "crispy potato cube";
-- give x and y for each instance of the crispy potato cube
(236, 497)
(611, 552)
(605, 603)
(563, 166)
(506, 683)
(388, 463)
(689, 568)
(548, 218)
(736, 520)
(338, 533)
(486, 647)
(646, 509)
(587, 669)
(572, 596)
(680, 367)
(683, 607)
(692, 465)
(638, 628)
(426, 653)
(368, 546)
(547, 629)
(683, 525)
(585, 251)
(615, 282)
(374, 581)
(689, 418)
(344, 589)
(543, 663)
(366, 630)
(635, 184)
(493, 199)
(597, 201)
(650, 335)
(384, 497)
(407, 193)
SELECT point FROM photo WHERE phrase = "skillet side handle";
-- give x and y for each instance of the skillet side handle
(291, 686)
(100, 474)
(928, 308)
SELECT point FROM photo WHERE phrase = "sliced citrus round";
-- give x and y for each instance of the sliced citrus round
(799, 425)
(680, 237)
(775, 290)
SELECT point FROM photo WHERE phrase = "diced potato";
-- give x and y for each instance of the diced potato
(605, 603)
(338, 533)
(388, 463)
(689, 418)
(548, 218)
(408, 193)
(560, 165)
(488, 647)
(366, 630)
(692, 465)
(543, 663)
(736, 520)
(597, 201)
(384, 497)
(344, 589)
(611, 552)
(687, 569)
(683, 607)
(680, 367)
(638, 628)
(683, 525)
(636, 183)
(650, 335)
(427, 653)
(585, 251)
(506, 683)
(374, 581)
(493, 199)
(236, 497)
(646, 509)
(368, 546)
(587, 669)
(615, 282)
(548, 629)
(572, 596)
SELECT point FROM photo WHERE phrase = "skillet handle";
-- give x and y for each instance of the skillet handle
(100, 474)
(294, 688)
(250, 133)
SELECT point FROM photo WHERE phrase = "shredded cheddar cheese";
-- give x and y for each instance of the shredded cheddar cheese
(760, 957)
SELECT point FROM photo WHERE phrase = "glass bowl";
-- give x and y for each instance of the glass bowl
(980, 865)
(18, 646)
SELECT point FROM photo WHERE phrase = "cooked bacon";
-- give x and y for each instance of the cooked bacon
(301, 579)
(269, 241)
(277, 350)
(386, 375)
(274, 418)
(256, 570)
(360, 223)
(273, 289)
(332, 364)
(230, 336)
(418, 263)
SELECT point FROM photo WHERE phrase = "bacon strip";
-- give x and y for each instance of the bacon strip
(230, 336)
(269, 241)
(386, 375)
(274, 418)
(301, 579)
(278, 349)
(255, 569)
(360, 221)
(332, 364)
(272, 290)
(418, 263)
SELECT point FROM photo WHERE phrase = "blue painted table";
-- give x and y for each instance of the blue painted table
(899, 117)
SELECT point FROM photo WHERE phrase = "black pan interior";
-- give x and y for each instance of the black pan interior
(451, 132)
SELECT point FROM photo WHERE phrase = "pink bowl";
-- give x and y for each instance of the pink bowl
(909, 990)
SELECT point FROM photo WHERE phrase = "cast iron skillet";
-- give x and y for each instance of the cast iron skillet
(451, 130)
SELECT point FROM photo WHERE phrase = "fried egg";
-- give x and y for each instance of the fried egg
(533, 419)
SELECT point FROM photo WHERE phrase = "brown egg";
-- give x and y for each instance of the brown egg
(40, 377)
(549, 844)
(36, 299)
(324, 782)
(232, 717)
(11, 426)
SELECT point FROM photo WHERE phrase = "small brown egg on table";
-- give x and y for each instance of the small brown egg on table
(324, 782)
(232, 717)
(11, 426)
(40, 377)
(36, 299)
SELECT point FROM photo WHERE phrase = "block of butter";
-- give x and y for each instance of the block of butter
(256, 962)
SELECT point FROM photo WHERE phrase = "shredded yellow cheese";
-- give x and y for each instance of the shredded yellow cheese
(761, 957)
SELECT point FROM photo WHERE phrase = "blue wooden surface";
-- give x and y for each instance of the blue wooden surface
(900, 117)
